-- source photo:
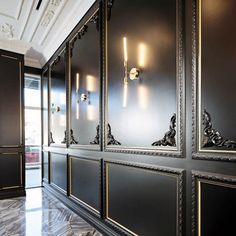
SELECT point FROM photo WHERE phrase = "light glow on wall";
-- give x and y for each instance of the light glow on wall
(125, 95)
(91, 83)
(142, 55)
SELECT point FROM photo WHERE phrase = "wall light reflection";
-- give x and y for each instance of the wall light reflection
(125, 94)
(91, 83)
(91, 112)
(142, 55)
(143, 96)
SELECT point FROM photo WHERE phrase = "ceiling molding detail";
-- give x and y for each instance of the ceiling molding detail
(32, 62)
(11, 9)
(14, 46)
(8, 30)
(38, 33)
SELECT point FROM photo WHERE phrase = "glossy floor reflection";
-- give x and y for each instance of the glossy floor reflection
(40, 214)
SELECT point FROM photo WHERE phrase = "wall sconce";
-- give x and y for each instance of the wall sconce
(85, 97)
(55, 108)
(77, 95)
(133, 74)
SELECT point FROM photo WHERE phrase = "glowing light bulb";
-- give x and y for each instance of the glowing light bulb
(125, 95)
(125, 49)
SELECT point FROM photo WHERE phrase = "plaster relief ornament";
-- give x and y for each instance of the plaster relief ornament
(8, 30)
(56, 2)
(47, 18)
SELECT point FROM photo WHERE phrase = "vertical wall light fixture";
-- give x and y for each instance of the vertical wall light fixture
(125, 95)
(91, 86)
(133, 74)
(77, 95)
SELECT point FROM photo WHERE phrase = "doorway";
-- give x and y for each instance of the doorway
(32, 131)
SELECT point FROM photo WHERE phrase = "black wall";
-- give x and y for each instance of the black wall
(112, 174)
(12, 176)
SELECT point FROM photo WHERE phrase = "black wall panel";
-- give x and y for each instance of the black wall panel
(85, 69)
(214, 198)
(142, 200)
(152, 44)
(58, 99)
(58, 170)
(217, 63)
(11, 170)
(217, 209)
(85, 181)
(10, 106)
(148, 193)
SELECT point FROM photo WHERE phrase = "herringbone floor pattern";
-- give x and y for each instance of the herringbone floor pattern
(39, 214)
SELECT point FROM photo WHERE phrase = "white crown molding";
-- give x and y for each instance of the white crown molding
(59, 34)
(14, 46)
(32, 62)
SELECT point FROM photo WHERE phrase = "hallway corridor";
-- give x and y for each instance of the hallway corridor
(40, 214)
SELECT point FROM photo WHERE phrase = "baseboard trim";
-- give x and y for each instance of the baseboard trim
(91, 219)
(4, 194)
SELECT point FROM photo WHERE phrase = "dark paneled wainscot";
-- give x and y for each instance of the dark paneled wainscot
(138, 107)
(11, 125)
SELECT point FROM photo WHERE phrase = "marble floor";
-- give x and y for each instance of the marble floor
(40, 214)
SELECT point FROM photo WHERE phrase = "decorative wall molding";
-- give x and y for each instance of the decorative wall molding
(213, 138)
(161, 150)
(95, 20)
(96, 139)
(197, 143)
(169, 137)
(71, 137)
(58, 58)
(180, 175)
(109, 7)
(79, 35)
(50, 138)
(110, 138)
(201, 176)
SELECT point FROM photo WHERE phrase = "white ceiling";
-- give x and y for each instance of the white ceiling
(38, 33)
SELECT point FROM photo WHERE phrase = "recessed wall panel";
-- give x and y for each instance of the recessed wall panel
(11, 170)
(215, 74)
(214, 204)
(142, 200)
(58, 173)
(86, 181)
(11, 102)
(58, 100)
(142, 36)
(85, 81)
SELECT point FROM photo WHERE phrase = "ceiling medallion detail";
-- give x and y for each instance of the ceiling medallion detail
(8, 30)
(213, 138)
(169, 137)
